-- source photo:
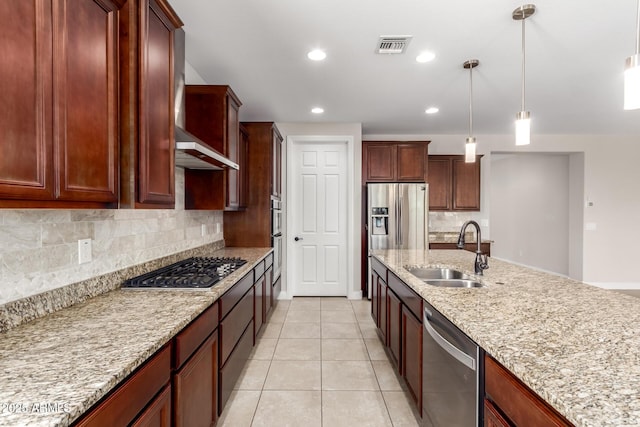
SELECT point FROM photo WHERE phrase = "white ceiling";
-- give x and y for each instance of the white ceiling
(575, 62)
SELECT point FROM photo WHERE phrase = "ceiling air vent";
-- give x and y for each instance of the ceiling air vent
(393, 44)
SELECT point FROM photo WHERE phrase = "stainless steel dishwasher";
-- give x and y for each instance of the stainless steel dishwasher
(451, 367)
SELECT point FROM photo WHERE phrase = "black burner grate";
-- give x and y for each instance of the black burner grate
(189, 273)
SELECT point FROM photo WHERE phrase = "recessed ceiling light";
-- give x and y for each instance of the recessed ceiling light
(432, 110)
(425, 57)
(317, 110)
(317, 55)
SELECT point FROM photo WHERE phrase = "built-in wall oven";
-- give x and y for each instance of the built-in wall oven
(276, 236)
(451, 374)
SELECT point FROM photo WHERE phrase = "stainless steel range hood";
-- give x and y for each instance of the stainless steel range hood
(191, 152)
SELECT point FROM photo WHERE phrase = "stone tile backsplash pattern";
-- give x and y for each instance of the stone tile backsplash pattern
(452, 221)
(39, 247)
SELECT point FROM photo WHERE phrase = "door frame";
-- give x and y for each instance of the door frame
(353, 212)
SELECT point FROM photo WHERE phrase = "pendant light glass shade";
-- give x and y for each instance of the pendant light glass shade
(523, 128)
(470, 145)
(523, 118)
(470, 150)
(632, 73)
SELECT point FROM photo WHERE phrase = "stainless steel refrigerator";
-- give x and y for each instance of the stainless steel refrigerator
(397, 216)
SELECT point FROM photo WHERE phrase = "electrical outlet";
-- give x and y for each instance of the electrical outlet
(204, 229)
(84, 251)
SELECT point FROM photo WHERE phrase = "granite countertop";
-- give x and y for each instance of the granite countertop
(65, 362)
(575, 345)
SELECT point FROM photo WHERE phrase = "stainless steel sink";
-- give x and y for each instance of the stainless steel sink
(437, 273)
(454, 283)
(444, 277)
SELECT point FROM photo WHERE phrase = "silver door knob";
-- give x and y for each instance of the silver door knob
(297, 238)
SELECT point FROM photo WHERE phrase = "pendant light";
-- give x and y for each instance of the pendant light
(523, 118)
(632, 73)
(470, 145)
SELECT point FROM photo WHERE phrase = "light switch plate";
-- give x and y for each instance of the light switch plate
(84, 251)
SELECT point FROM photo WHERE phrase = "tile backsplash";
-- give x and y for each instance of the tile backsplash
(39, 247)
(452, 221)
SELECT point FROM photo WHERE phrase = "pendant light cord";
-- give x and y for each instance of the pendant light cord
(471, 101)
(523, 63)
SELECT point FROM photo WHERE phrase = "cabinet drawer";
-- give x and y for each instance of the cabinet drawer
(379, 268)
(231, 370)
(258, 270)
(233, 295)
(408, 297)
(521, 405)
(268, 261)
(234, 324)
(128, 399)
(158, 413)
(194, 334)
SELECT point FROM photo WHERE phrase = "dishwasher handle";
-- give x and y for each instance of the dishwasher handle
(454, 351)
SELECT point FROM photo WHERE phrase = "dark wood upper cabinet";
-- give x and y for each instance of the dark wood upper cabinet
(411, 162)
(466, 184)
(252, 227)
(212, 115)
(439, 178)
(147, 158)
(379, 162)
(394, 161)
(453, 184)
(276, 178)
(59, 107)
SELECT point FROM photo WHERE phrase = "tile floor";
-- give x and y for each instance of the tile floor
(319, 362)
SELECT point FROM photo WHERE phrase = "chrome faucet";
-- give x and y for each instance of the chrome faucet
(481, 262)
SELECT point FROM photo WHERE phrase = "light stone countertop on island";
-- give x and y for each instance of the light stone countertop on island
(575, 345)
(72, 358)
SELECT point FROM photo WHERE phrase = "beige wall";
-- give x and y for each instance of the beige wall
(39, 248)
(530, 223)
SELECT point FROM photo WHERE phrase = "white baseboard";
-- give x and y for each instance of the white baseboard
(352, 295)
(355, 295)
(283, 295)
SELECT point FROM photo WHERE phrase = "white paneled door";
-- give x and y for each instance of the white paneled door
(319, 199)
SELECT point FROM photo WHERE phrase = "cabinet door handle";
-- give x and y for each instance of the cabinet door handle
(297, 238)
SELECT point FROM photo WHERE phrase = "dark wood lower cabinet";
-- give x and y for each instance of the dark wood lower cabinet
(492, 417)
(268, 292)
(382, 312)
(195, 387)
(394, 331)
(258, 309)
(277, 287)
(158, 414)
(397, 310)
(230, 372)
(234, 325)
(515, 403)
(412, 355)
(128, 400)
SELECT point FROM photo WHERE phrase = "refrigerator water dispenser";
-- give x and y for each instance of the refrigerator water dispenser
(380, 221)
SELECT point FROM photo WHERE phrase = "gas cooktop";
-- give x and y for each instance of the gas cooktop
(191, 273)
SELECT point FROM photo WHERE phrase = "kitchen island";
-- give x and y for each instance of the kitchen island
(576, 346)
(57, 367)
